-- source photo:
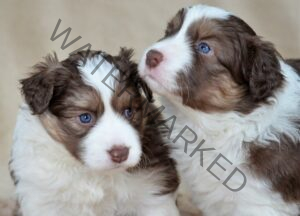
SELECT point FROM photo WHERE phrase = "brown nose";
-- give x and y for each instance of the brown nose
(153, 58)
(118, 154)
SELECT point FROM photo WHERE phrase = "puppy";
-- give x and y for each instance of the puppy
(83, 144)
(236, 102)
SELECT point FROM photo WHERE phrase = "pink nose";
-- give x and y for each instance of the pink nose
(118, 154)
(153, 58)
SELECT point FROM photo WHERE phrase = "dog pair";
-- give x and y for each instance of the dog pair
(231, 92)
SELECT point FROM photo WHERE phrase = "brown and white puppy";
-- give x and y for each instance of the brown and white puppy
(237, 104)
(83, 144)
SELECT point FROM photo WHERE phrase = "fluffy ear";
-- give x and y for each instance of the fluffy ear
(38, 89)
(124, 62)
(129, 68)
(262, 69)
(175, 23)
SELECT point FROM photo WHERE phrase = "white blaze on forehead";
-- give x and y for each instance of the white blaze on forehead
(111, 129)
(198, 12)
(94, 73)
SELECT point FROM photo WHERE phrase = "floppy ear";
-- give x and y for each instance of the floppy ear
(262, 69)
(38, 89)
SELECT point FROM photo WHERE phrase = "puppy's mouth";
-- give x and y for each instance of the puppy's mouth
(154, 77)
(148, 77)
(158, 69)
(112, 168)
(157, 85)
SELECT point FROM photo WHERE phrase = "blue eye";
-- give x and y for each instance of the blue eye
(128, 113)
(85, 118)
(203, 48)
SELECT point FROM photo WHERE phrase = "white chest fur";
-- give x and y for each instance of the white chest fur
(227, 135)
(52, 183)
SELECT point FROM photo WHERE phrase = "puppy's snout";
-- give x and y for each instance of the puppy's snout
(153, 58)
(119, 154)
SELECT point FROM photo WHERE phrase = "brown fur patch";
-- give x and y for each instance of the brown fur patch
(218, 93)
(38, 88)
(156, 152)
(58, 94)
(280, 164)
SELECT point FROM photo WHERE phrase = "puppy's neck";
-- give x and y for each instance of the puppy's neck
(274, 118)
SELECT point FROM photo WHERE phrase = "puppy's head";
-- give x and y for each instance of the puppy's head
(213, 61)
(93, 109)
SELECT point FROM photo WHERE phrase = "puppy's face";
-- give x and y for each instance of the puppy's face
(93, 108)
(212, 61)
